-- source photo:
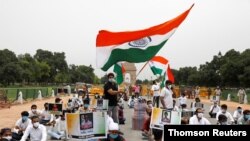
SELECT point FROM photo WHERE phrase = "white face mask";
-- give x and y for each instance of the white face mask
(223, 123)
(223, 111)
(169, 86)
(36, 124)
(200, 115)
(8, 137)
(33, 110)
(150, 105)
(111, 80)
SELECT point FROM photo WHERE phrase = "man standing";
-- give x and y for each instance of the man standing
(110, 93)
(209, 92)
(241, 95)
(166, 96)
(156, 91)
(218, 93)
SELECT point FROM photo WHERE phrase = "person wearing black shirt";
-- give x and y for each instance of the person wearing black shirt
(110, 93)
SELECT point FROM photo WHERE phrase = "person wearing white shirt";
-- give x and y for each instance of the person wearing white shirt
(196, 104)
(224, 112)
(166, 96)
(198, 118)
(214, 109)
(218, 93)
(156, 91)
(58, 130)
(237, 114)
(34, 111)
(182, 99)
(21, 125)
(245, 119)
(46, 117)
(197, 91)
(241, 94)
(36, 131)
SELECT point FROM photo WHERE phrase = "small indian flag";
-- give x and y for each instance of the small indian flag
(134, 46)
(168, 75)
(158, 65)
(119, 70)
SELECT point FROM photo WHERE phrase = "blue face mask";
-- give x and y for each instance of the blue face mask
(113, 136)
(247, 117)
(86, 105)
(24, 118)
(239, 110)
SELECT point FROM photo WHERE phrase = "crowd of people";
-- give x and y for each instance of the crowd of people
(35, 124)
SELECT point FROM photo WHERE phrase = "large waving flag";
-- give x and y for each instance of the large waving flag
(134, 46)
(119, 70)
(168, 75)
(158, 65)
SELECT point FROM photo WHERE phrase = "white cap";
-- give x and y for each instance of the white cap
(113, 126)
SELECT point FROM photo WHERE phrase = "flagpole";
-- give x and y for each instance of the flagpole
(142, 69)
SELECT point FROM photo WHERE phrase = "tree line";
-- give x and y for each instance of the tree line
(43, 68)
(229, 70)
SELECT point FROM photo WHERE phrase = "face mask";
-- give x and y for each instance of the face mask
(169, 86)
(111, 80)
(150, 105)
(8, 137)
(33, 110)
(224, 123)
(36, 124)
(86, 105)
(239, 111)
(113, 136)
(24, 118)
(200, 115)
(247, 117)
(223, 110)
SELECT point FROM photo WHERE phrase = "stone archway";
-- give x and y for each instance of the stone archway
(131, 69)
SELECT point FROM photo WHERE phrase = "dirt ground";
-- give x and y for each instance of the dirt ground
(8, 117)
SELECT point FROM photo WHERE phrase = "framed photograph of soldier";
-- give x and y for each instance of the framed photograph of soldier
(161, 117)
(55, 108)
(156, 118)
(165, 117)
(86, 125)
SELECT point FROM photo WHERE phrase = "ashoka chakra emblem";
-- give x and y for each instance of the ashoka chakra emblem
(141, 42)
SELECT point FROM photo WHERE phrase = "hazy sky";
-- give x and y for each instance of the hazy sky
(71, 26)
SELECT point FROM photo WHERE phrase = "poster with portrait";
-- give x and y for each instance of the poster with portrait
(156, 119)
(165, 117)
(55, 108)
(86, 125)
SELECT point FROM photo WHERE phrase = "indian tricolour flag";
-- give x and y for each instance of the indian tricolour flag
(158, 65)
(134, 46)
(119, 70)
(168, 75)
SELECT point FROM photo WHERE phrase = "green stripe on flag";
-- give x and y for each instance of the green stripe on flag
(156, 70)
(132, 55)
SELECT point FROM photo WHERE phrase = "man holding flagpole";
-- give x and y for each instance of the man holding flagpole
(110, 93)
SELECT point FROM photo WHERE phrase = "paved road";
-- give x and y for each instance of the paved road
(133, 135)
